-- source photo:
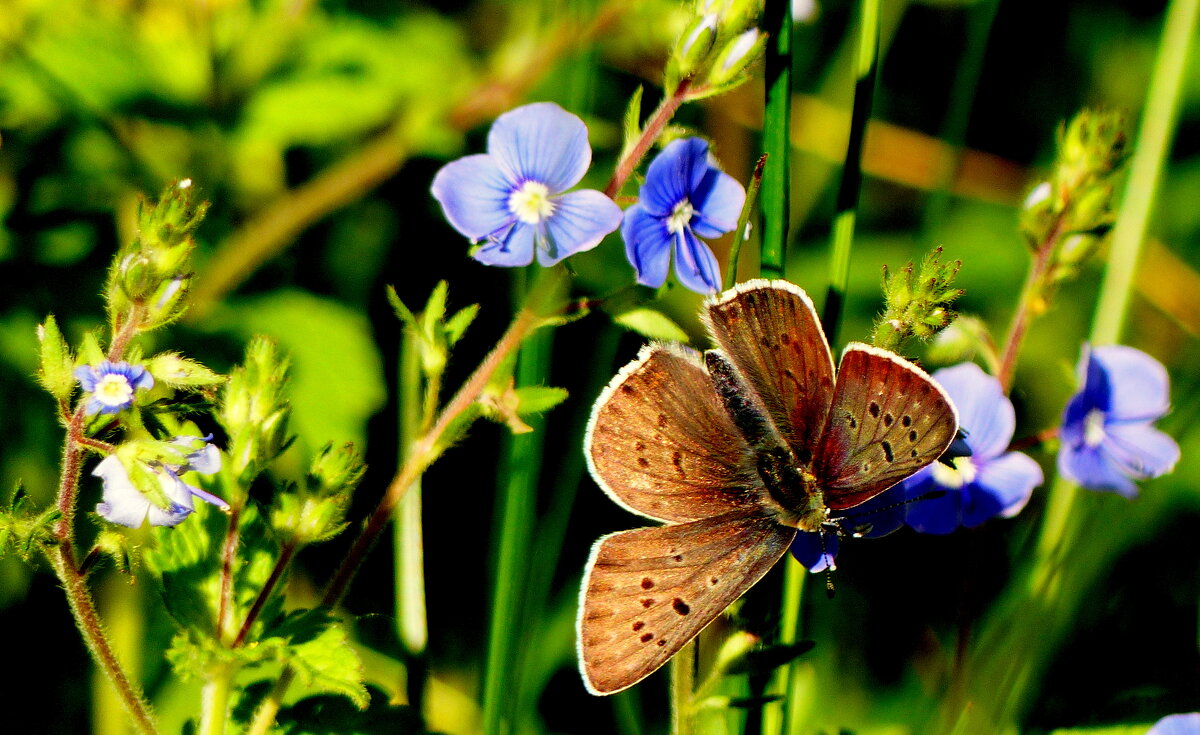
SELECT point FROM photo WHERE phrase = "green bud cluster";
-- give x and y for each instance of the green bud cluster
(917, 303)
(23, 529)
(318, 511)
(717, 47)
(254, 411)
(152, 273)
(1074, 206)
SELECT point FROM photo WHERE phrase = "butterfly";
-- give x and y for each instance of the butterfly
(736, 450)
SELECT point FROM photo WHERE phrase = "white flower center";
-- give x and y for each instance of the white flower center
(113, 390)
(962, 473)
(680, 217)
(531, 203)
(1093, 428)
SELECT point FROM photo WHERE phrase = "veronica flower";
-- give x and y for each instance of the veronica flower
(1187, 724)
(1107, 435)
(511, 198)
(124, 504)
(816, 553)
(992, 481)
(684, 198)
(111, 385)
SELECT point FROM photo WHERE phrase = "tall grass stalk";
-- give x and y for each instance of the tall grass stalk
(777, 125)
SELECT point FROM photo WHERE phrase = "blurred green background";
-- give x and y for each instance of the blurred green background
(315, 128)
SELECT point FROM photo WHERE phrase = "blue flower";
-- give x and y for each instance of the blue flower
(684, 198)
(112, 385)
(991, 482)
(1107, 437)
(816, 553)
(124, 504)
(1186, 724)
(511, 198)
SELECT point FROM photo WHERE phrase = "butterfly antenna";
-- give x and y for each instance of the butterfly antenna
(931, 495)
(829, 588)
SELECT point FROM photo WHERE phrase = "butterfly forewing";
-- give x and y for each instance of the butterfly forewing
(661, 444)
(649, 591)
(888, 420)
(771, 334)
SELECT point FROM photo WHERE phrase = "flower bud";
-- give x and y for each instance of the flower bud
(737, 56)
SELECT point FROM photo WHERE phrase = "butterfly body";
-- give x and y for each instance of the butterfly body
(736, 450)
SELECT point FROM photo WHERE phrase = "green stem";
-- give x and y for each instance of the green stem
(517, 502)
(777, 126)
(851, 181)
(683, 686)
(743, 225)
(214, 700)
(787, 680)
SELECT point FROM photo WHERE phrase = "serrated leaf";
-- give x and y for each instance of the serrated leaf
(651, 323)
(181, 372)
(536, 399)
(328, 663)
(56, 372)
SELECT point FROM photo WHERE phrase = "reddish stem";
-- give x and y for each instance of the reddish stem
(654, 127)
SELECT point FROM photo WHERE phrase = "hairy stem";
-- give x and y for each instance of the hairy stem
(650, 133)
(285, 557)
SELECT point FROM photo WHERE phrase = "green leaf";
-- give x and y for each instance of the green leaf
(329, 664)
(57, 365)
(403, 313)
(337, 374)
(90, 352)
(651, 323)
(632, 122)
(536, 399)
(457, 325)
(181, 372)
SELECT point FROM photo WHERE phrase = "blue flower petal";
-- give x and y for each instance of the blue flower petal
(718, 202)
(541, 142)
(879, 516)
(939, 515)
(1010, 479)
(1184, 724)
(1139, 383)
(816, 550)
(1140, 450)
(122, 503)
(674, 175)
(580, 221)
(983, 410)
(647, 245)
(474, 193)
(1093, 469)
(508, 248)
(695, 265)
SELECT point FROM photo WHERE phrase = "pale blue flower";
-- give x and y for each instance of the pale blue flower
(112, 385)
(1185, 724)
(816, 550)
(1107, 435)
(685, 197)
(511, 198)
(125, 505)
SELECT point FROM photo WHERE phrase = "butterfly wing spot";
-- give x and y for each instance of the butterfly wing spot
(887, 420)
(677, 460)
(639, 445)
(628, 389)
(680, 606)
(648, 602)
(906, 420)
(643, 462)
(912, 435)
(647, 583)
(852, 422)
(639, 625)
(874, 409)
(678, 558)
(647, 637)
(887, 451)
(662, 642)
(913, 454)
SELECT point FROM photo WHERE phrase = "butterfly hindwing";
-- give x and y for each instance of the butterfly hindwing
(888, 420)
(771, 334)
(648, 591)
(661, 444)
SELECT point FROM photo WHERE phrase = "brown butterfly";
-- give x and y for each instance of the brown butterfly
(736, 450)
